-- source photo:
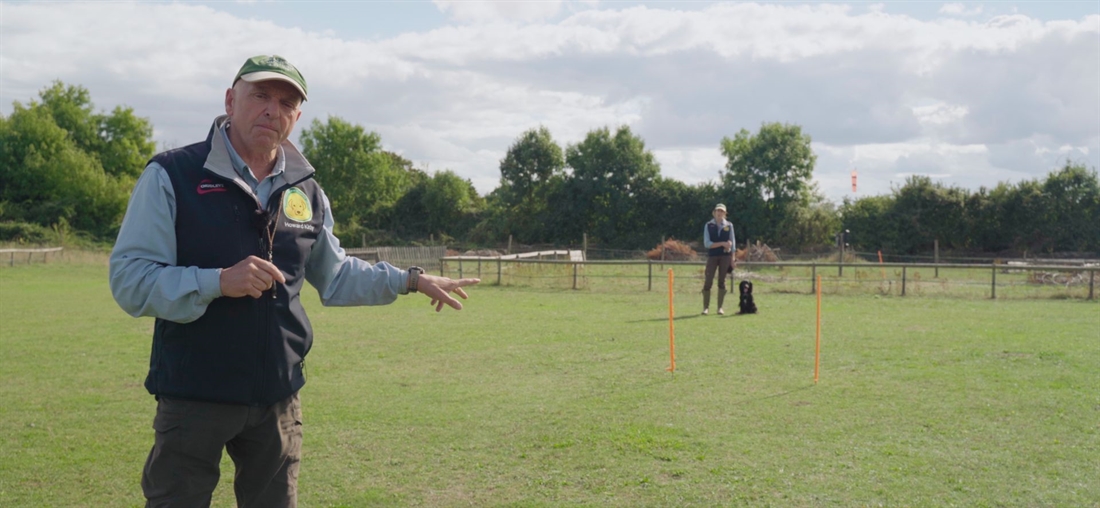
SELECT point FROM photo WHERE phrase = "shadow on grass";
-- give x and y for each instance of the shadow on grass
(772, 396)
(691, 316)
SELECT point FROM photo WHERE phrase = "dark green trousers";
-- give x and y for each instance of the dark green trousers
(265, 444)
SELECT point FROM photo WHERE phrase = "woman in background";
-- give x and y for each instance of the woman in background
(718, 238)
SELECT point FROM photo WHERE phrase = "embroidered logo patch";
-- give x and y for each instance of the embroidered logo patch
(296, 206)
(727, 228)
(207, 186)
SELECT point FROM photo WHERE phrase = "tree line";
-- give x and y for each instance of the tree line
(66, 169)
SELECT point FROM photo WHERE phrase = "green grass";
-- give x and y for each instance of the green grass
(561, 398)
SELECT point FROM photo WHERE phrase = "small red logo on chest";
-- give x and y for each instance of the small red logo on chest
(207, 186)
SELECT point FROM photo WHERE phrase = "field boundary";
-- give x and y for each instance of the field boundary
(578, 267)
(30, 254)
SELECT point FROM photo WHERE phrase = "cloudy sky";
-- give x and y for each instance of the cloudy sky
(970, 93)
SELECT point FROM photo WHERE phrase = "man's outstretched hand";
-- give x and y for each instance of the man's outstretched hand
(439, 290)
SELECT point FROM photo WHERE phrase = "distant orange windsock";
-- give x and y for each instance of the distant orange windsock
(853, 180)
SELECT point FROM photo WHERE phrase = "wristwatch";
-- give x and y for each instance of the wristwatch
(414, 278)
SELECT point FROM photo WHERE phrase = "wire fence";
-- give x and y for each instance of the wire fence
(825, 255)
(424, 257)
(1071, 279)
(29, 255)
(992, 280)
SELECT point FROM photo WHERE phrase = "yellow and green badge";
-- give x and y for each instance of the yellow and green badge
(296, 206)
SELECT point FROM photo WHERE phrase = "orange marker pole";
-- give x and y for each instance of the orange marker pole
(880, 265)
(671, 331)
(817, 351)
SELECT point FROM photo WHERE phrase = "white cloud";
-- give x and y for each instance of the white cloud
(939, 114)
(890, 152)
(692, 164)
(491, 11)
(880, 91)
(957, 9)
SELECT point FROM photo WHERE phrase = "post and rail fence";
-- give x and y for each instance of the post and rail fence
(904, 276)
(404, 257)
(30, 254)
(570, 268)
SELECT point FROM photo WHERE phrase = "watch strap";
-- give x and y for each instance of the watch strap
(414, 278)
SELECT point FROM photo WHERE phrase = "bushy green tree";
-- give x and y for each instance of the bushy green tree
(126, 143)
(442, 205)
(450, 203)
(609, 172)
(1060, 213)
(809, 226)
(531, 169)
(122, 141)
(1073, 214)
(62, 163)
(872, 220)
(362, 181)
(671, 209)
(927, 211)
(984, 220)
(768, 177)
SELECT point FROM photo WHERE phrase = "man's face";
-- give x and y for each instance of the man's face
(262, 114)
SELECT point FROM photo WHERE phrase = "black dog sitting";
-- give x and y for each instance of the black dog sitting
(748, 306)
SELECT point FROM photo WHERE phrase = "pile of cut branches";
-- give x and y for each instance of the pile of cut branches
(672, 250)
(758, 252)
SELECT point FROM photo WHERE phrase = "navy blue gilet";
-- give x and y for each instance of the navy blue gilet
(718, 235)
(242, 350)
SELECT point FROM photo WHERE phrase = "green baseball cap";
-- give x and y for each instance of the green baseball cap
(265, 67)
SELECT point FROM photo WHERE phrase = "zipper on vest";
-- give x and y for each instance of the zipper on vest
(237, 219)
(269, 235)
(265, 362)
(269, 311)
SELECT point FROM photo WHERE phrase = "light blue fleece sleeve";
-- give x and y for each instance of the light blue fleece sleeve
(706, 236)
(344, 280)
(145, 280)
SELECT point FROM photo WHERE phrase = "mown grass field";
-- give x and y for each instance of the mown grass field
(561, 398)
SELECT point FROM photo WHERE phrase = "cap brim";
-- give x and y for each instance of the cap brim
(270, 76)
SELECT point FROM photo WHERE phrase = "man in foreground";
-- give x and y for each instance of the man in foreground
(217, 241)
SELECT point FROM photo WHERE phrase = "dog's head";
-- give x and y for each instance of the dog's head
(745, 287)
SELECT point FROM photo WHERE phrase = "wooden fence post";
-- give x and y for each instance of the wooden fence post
(936, 261)
(813, 279)
(840, 261)
(574, 276)
(663, 253)
(650, 264)
(498, 271)
(903, 281)
(1092, 277)
(993, 287)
